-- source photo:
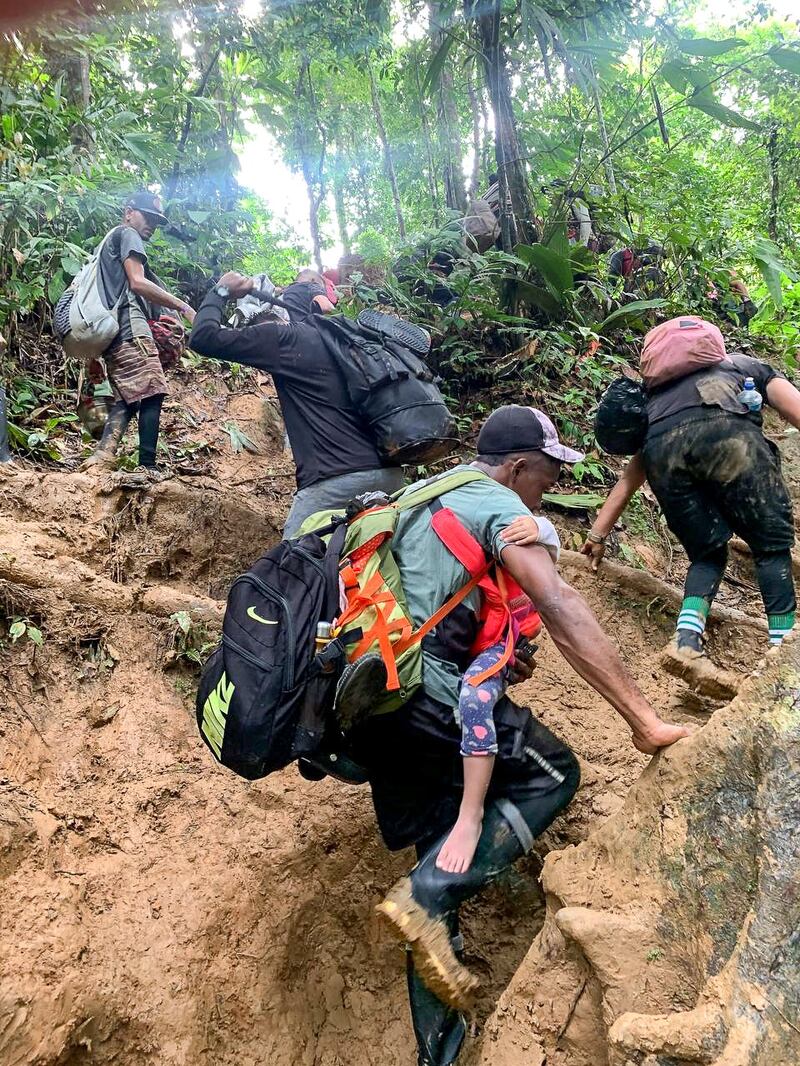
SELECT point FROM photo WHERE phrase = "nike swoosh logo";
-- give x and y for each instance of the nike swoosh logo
(252, 613)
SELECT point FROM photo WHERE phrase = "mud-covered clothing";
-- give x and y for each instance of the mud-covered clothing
(135, 370)
(431, 574)
(714, 387)
(417, 776)
(327, 435)
(717, 477)
(123, 243)
(414, 755)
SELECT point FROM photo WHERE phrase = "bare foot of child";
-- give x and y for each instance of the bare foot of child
(456, 854)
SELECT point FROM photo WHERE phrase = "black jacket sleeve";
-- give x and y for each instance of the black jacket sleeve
(260, 346)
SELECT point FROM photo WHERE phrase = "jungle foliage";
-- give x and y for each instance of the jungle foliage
(393, 117)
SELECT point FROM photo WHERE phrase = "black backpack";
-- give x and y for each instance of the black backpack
(265, 693)
(393, 389)
(620, 425)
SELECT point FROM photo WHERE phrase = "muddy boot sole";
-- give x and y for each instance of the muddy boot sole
(360, 687)
(99, 463)
(700, 673)
(406, 333)
(434, 958)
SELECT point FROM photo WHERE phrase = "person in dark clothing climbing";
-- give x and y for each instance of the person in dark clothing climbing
(335, 454)
(714, 473)
(134, 367)
(413, 757)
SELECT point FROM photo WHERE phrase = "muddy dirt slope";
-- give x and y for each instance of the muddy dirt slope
(157, 910)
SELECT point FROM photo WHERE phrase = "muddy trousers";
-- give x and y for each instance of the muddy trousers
(773, 573)
(509, 830)
(148, 413)
(715, 474)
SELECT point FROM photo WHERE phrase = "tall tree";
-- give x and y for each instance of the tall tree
(388, 159)
(447, 114)
(516, 220)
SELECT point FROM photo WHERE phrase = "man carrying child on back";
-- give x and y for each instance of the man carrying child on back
(473, 797)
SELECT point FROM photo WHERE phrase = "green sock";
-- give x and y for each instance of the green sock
(779, 626)
(693, 614)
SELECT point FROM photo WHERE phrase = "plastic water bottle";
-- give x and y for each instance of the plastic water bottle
(750, 396)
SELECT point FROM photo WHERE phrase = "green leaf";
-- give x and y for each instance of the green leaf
(631, 310)
(575, 501)
(199, 216)
(536, 296)
(674, 74)
(554, 268)
(721, 113)
(182, 619)
(772, 266)
(277, 87)
(239, 440)
(55, 287)
(434, 71)
(704, 46)
(70, 265)
(138, 144)
(16, 631)
(35, 635)
(786, 58)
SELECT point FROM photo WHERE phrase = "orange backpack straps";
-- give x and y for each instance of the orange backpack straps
(495, 612)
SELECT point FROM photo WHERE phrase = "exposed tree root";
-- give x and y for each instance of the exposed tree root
(677, 920)
(644, 586)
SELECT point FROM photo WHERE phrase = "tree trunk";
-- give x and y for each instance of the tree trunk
(447, 114)
(516, 210)
(477, 139)
(186, 129)
(311, 152)
(774, 183)
(339, 202)
(433, 184)
(73, 68)
(377, 111)
(601, 125)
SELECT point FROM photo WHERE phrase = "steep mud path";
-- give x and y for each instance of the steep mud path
(154, 909)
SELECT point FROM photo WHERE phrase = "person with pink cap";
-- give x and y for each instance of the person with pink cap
(715, 474)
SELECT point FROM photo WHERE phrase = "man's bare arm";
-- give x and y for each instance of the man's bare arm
(578, 636)
(140, 286)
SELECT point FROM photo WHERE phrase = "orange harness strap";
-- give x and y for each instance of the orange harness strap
(444, 610)
(508, 651)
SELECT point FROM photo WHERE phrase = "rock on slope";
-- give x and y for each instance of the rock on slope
(671, 935)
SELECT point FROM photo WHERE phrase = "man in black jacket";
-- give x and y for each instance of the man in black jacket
(335, 453)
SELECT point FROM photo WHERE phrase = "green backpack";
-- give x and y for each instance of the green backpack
(376, 619)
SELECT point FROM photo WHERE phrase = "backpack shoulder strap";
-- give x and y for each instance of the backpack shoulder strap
(432, 489)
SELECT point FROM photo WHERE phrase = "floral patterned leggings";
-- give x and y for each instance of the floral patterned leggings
(476, 704)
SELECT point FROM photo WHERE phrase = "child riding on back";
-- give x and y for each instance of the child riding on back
(484, 682)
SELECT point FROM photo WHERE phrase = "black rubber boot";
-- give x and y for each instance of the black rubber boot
(332, 764)
(440, 1030)
(688, 638)
(104, 455)
(418, 905)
